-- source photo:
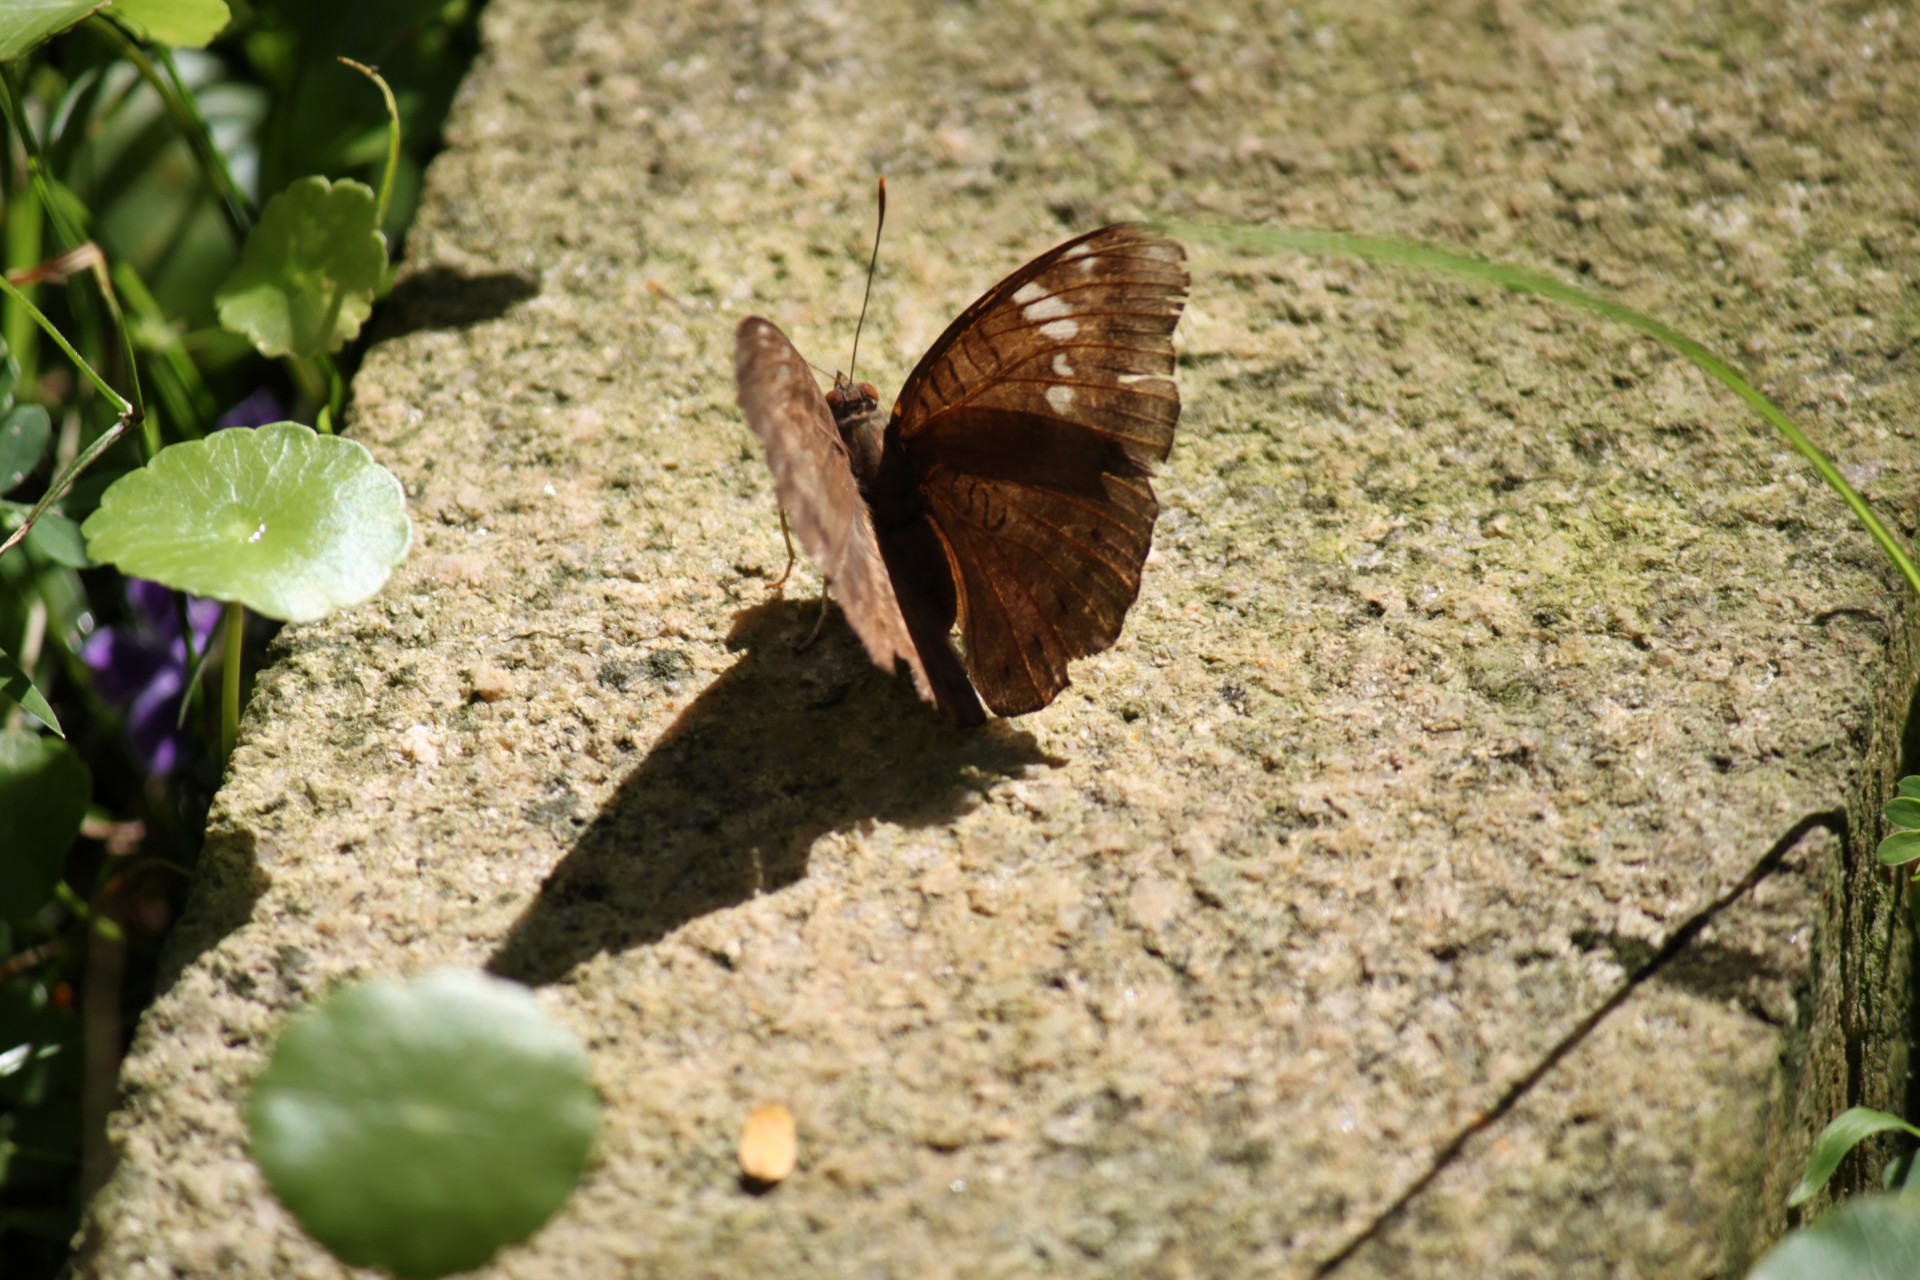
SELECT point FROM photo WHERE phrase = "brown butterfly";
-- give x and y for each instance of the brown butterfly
(1008, 491)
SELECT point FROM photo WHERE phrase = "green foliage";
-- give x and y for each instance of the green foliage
(310, 269)
(1867, 1238)
(418, 1127)
(1843, 1133)
(289, 523)
(26, 23)
(56, 540)
(190, 23)
(121, 216)
(16, 687)
(43, 796)
(24, 433)
(1903, 810)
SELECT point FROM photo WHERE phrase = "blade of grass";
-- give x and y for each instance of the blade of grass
(1426, 257)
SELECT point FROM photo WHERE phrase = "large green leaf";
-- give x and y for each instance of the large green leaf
(44, 788)
(25, 23)
(1874, 1237)
(185, 23)
(289, 523)
(308, 272)
(418, 1127)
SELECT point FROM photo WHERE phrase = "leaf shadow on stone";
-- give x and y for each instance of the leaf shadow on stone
(440, 297)
(782, 749)
(227, 883)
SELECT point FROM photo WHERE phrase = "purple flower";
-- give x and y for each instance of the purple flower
(141, 667)
(257, 410)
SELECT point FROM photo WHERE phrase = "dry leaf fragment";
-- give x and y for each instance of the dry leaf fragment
(769, 1144)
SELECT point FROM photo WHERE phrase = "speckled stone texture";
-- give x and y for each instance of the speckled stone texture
(1461, 866)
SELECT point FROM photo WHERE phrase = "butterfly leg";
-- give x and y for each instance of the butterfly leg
(786, 532)
(818, 623)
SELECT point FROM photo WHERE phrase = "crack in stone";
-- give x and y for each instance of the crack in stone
(1834, 820)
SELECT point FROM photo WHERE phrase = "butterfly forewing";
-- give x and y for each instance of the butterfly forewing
(1082, 336)
(1029, 430)
(817, 489)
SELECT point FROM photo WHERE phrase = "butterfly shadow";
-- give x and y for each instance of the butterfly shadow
(782, 749)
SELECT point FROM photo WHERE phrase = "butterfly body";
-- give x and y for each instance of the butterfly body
(1009, 490)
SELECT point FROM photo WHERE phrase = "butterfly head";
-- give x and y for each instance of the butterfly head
(856, 412)
(849, 397)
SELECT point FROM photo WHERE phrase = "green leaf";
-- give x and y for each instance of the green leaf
(183, 23)
(16, 687)
(1874, 1237)
(58, 539)
(24, 433)
(1900, 848)
(44, 787)
(1843, 1133)
(289, 523)
(1904, 811)
(419, 1126)
(1910, 786)
(307, 274)
(26, 23)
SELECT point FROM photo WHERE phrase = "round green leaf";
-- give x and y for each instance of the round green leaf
(1904, 811)
(307, 274)
(1874, 1237)
(420, 1126)
(289, 523)
(23, 439)
(44, 787)
(182, 23)
(1900, 848)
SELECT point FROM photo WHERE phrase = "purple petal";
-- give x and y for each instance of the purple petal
(124, 664)
(257, 410)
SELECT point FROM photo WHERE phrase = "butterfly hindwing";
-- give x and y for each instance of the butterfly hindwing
(1030, 428)
(817, 489)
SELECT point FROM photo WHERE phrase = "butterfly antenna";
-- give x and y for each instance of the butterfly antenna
(879, 222)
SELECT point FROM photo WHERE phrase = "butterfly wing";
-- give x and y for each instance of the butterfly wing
(816, 487)
(1030, 430)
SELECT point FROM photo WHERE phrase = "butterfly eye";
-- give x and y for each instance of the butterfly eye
(869, 392)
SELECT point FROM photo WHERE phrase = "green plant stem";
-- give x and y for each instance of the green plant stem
(64, 481)
(393, 139)
(1379, 249)
(16, 113)
(230, 679)
(71, 238)
(309, 381)
(184, 110)
(99, 922)
(122, 405)
(176, 379)
(25, 224)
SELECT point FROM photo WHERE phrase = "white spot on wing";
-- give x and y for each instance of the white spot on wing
(1060, 330)
(1028, 292)
(1060, 398)
(1060, 365)
(1047, 308)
